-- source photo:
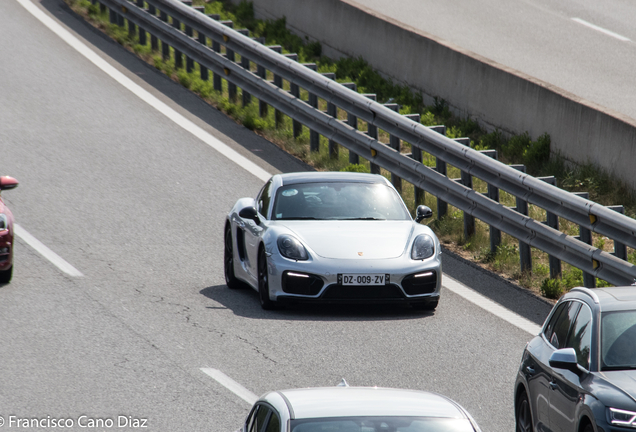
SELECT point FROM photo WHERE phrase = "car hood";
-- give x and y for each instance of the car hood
(622, 379)
(353, 239)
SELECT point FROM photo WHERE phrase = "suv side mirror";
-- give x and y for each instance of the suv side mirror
(564, 358)
(423, 212)
(7, 182)
(250, 213)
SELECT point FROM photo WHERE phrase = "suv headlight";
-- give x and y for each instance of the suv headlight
(423, 247)
(4, 222)
(624, 418)
(291, 248)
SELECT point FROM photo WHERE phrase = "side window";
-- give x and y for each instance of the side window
(581, 336)
(274, 423)
(549, 329)
(258, 419)
(262, 202)
(563, 324)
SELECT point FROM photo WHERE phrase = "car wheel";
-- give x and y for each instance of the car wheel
(5, 275)
(523, 416)
(263, 282)
(228, 262)
(588, 428)
(430, 306)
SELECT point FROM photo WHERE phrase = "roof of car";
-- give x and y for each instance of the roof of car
(330, 176)
(610, 298)
(617, 298)
(368, 401)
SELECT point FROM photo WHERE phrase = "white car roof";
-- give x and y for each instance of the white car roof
(366, 401)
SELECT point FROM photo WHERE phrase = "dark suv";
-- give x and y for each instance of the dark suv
(579, 373)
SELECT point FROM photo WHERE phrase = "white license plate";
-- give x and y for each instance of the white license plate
(363, 279)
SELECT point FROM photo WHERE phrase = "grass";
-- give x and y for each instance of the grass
(519, 149)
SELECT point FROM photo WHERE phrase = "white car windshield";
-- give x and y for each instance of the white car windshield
(382, 424)
(338, 200)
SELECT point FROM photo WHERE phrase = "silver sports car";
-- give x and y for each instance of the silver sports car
(332, 237)
(356, 409)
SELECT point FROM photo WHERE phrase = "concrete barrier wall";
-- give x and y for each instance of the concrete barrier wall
(493, 94)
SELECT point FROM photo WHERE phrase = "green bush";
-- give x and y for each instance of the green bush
(551, 288)
(356, 168)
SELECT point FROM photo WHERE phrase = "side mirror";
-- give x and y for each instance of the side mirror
(423, 212)
(564, 358)
(250, 213)
(7, 183)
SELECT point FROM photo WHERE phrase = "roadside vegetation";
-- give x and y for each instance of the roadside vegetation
(535, 154)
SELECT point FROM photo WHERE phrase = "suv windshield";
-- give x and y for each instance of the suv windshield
(342, 201)
(382, 424)
(618, 333)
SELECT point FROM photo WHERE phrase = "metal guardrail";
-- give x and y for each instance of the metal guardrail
(590, 216)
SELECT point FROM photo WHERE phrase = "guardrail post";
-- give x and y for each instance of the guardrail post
(132, 29)
(112, 16)
(189, 62)
(620, 250)
(525, 255)
(552, 220)
(353, 122)
(203, 71)
(245, 64)
(178, 57)
(217, 83)
(372, 131)
(278, 82)
(493, 194)
(297, 126)
(229, 54)
(467, 180)
(440, 167)
(585, 235)
(102, 8)
(332, 111)
(394, 143)
(142, 33)
(314, 137)
(416, 154)
(165, 48)
(154, 42)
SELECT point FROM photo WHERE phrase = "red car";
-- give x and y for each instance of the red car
(6, 233)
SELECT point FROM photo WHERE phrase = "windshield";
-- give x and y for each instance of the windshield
(342, 201)
(618, 340)
(382, 424)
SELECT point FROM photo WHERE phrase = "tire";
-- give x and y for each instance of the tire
(228, 262)
(6, 275)
(430, 306)
(263, 282)
(588, 428)
(523, 417)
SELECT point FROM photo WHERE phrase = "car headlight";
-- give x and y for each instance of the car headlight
(4, 222)
(423, 247)
(624, 418)
(291, 248)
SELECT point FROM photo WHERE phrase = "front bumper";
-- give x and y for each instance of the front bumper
(320, 280)
(6, 250)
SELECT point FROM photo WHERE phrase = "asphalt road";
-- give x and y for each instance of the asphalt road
(540, 38)
(136, 204)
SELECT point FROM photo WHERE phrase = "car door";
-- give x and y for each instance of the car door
(537, 370)
(566, 386)
(253, 232)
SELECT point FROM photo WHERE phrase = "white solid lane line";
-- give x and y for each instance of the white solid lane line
(601, 29)
(164, 109)
(47, 253)
(489, 305)
(249, 166)
(231, 385)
